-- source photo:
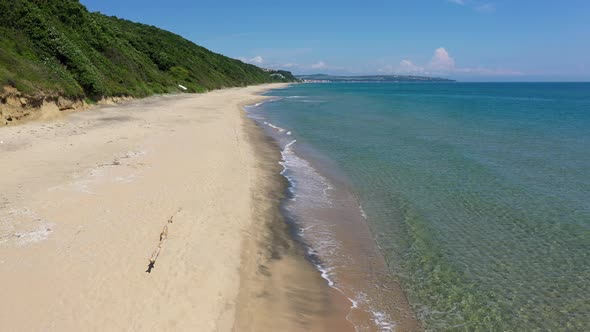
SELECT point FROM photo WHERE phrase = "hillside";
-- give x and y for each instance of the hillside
(59, 48)
(371, 78)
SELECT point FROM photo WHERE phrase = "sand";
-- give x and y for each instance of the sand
(156, 215)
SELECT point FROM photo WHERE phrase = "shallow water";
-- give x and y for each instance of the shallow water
(476, 193)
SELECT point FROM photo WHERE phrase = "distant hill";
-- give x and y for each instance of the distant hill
(370, 78)
(58, 47)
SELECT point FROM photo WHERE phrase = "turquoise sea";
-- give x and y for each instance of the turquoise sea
(477, 196)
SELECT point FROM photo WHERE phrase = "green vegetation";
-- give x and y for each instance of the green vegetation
(59, 47)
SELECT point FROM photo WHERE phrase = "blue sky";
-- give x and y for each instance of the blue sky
(471, 40)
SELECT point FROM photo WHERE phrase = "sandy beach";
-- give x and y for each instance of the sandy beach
(156, 215)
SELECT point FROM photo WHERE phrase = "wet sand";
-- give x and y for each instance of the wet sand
(280, 289)
(357, 267)
(328, 221)
(160, 214)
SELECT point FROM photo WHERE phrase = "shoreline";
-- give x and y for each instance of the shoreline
(278, 278)
(378, 301)
(117, 218)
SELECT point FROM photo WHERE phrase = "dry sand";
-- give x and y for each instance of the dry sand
(86, 202)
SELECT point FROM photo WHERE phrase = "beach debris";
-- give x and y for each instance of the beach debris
(182, 87)
(163, 237)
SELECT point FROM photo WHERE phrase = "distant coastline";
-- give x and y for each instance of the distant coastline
(322, 78)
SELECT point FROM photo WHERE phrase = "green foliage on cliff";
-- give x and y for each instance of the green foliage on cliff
(58, 46)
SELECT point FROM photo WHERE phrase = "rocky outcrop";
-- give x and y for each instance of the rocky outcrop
(113, 100)
(63, 104)
(16, 107)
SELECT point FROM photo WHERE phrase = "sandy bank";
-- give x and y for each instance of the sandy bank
(17, 108)
(89, 199)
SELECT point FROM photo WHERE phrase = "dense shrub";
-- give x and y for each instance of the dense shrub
(58, 46)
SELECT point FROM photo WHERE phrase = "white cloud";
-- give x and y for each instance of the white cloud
(407, 66)
(489, 72)
(441, 60)
(294, 66)
(288, 65)
(258, 60)
(387, 69)
(443, 64)
(486, 8)
(404, 67)
(319, 65)
(477, 5)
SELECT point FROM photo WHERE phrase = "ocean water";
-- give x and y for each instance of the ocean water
(475, 197)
